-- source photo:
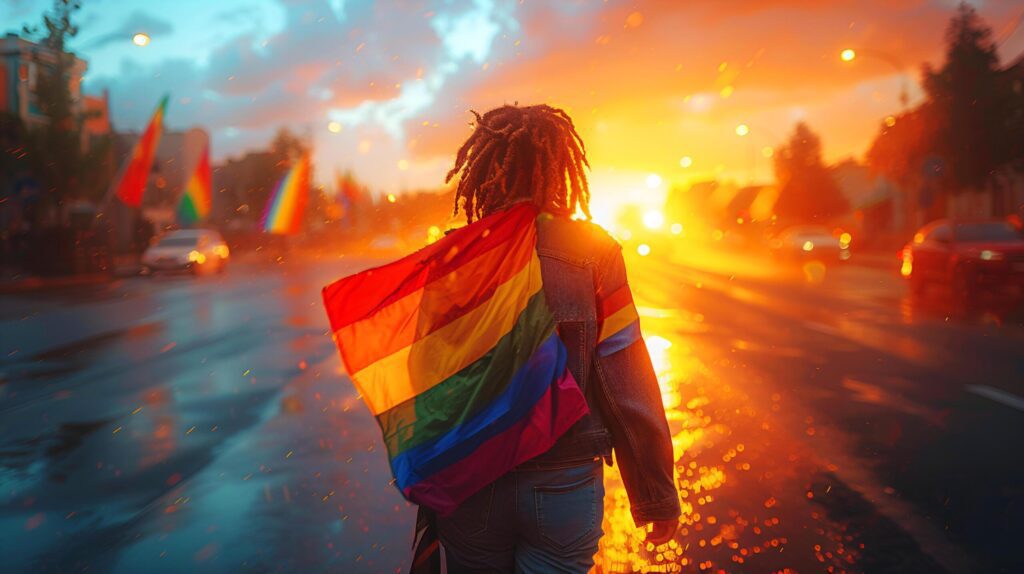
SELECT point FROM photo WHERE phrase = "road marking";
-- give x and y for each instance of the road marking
(1009, 399)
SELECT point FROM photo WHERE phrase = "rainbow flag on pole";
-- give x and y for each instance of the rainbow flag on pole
(454, 350)
(198, 195)
(287, 206)
(134, 177)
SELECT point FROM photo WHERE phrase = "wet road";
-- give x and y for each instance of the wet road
(178, 424)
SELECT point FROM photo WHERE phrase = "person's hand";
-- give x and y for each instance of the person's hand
(661, 531)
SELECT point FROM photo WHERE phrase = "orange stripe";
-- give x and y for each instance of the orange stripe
(440, 302)
(617, 321)
(430, 360)
(617, 300)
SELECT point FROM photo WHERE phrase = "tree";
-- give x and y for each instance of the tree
(55, 149)
(807, 191)
(969, 103)
(967, 133)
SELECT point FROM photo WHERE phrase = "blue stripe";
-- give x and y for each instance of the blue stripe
(527, 386)
(620, 340)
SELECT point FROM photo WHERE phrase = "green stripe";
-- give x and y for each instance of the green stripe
(446, 405)
(187, 209)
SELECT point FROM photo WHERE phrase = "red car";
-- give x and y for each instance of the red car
(976, 259)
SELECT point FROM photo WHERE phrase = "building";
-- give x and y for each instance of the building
(22, 62)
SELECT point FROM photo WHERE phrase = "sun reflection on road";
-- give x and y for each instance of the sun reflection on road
(744, 477)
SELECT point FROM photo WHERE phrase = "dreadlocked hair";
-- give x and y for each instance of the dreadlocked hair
(522, 153)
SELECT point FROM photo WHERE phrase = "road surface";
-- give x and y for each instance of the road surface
(175, 424)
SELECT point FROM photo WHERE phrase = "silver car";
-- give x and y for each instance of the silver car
(196, 250)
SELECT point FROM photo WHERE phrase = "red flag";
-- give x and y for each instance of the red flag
(136, 173)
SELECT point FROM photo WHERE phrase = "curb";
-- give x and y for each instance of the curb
(29, 284)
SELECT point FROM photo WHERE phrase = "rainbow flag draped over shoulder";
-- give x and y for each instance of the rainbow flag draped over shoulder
(132, 183)
(287, 206)
(455, 352)
(197, 198)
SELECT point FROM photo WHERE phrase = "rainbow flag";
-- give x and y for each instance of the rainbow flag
(454, 350)
(134, 177)
(198, 196)
(287, 206)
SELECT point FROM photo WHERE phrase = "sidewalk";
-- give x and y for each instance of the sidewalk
(13, 282)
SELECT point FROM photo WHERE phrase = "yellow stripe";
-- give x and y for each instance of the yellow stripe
(618, 321)
(446, 351)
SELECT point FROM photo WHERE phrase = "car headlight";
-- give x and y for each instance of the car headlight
(987, 255)
(196, 257)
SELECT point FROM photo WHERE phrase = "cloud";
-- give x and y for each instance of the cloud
(135, 23)
(645, 80)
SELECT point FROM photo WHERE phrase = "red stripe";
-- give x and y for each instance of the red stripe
(617, 300)
(358, 296)
(560, 407)
(136, 175)
(400, 324)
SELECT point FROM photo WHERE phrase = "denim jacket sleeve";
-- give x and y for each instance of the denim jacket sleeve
(631, 399)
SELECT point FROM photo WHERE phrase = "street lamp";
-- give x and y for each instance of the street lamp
(850, 54)
(742, 130)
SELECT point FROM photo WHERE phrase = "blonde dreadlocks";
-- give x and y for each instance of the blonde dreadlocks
(522, 153)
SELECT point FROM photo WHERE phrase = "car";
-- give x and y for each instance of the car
(975, 258)
(196, 250)
(803, 242)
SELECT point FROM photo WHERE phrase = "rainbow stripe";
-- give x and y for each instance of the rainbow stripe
(197, 198)
(620, 323)
(287, 206)
(130, 186)
(454, 350)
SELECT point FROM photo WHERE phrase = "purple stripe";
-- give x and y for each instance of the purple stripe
(620, 340)
(527, 387)
(560, 407)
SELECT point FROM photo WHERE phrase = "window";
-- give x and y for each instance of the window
(984, 232)
(941, 234)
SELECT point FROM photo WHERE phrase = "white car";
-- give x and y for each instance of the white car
(196, 250)
(811, 242)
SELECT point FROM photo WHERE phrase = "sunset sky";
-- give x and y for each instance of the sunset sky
(648, 82)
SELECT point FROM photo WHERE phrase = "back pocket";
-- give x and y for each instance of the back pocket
(566, 514)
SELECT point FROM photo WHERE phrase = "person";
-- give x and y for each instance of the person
(546, 514)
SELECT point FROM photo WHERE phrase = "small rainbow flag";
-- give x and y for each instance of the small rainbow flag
(455, 351)
(197, 198)
(130, 186)
(287, 206)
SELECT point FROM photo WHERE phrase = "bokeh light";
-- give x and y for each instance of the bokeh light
(654, 219)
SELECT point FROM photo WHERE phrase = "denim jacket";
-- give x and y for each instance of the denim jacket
(579, 261)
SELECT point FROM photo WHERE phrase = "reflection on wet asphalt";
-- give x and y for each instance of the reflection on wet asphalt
(175, 424)
(172, 424)
(814, 430)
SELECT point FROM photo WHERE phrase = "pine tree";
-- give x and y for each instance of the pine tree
(807, 191)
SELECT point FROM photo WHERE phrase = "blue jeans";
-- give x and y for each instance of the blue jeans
(528, 521)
